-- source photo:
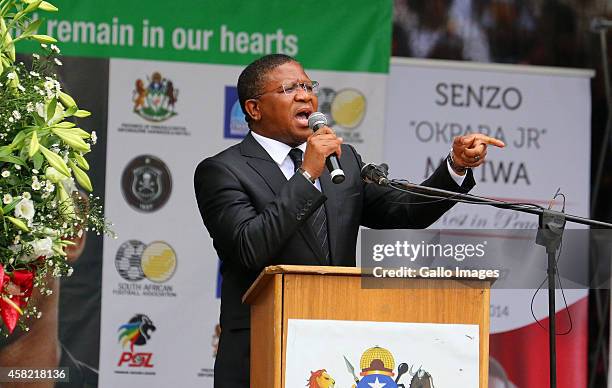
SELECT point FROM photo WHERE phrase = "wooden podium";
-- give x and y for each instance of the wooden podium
(288, 292)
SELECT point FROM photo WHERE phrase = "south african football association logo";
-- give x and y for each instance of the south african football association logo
(155, 99)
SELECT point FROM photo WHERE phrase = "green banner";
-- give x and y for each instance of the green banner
(328, 35)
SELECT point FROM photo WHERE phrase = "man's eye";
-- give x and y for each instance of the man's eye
(290, 88)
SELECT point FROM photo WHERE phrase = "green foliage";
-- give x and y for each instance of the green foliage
(41, 154)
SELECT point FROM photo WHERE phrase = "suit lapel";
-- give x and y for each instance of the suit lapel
(264, 166)
(262, 163)
(330, 190)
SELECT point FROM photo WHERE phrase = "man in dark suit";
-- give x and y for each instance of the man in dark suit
(270, 200)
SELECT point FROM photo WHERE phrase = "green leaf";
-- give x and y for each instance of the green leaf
(32, 27)
(51, 108)
(39, 121)
(19, 138)
(13, 159)
(71, 111)
(34, 146)
(5, 150)
(9, 208)
(38, 160)
(55, 161)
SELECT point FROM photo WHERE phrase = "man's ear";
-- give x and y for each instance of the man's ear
(252, 108)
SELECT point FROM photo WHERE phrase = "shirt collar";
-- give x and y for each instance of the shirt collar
(277, 150)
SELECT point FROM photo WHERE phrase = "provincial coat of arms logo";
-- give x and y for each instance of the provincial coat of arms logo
(155, 101)
(377, 371)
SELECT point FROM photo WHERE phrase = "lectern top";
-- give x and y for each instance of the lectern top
(272, 270)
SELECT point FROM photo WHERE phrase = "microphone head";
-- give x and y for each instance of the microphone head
(317, 120)
(372, 173)
(366, 172)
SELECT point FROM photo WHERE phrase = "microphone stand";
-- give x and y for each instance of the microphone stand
(550, 232)
(601, 27)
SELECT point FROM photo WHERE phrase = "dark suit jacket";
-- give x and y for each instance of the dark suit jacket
(256, 217)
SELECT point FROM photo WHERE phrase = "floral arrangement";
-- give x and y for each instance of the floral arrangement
(41, 154)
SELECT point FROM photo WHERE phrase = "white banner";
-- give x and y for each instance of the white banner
(381, 354)
(160, 278)
(542, 115)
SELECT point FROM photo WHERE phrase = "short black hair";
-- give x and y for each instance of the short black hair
(252, 78)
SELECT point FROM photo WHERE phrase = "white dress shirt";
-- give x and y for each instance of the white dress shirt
(279, 152)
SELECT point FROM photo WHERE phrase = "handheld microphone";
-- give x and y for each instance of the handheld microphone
(317, 120)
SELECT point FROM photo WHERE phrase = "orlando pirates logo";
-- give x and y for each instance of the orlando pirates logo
(146, 183)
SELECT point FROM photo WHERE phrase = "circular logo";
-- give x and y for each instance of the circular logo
(146, 183)
(158, 262)
(348, 108)
(127, 260)
(136, 260)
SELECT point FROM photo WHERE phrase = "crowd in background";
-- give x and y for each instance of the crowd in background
(537, 32)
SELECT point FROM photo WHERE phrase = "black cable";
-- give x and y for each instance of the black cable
(501, 204)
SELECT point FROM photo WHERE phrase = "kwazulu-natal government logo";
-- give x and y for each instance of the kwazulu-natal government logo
(146, 183)
(377, 370)
(155, 262)
(345, 110)
(155, 99)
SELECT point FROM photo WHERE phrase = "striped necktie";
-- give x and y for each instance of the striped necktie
(318, 219)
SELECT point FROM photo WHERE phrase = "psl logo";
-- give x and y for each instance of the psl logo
(156, 100)
(136, 332)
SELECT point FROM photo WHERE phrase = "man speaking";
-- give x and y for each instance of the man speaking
(271, 200)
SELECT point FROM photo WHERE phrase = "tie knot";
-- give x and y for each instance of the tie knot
(296, 157)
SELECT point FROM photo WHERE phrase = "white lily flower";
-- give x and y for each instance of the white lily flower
(25, 209)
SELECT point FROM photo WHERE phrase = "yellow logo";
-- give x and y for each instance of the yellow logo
(348, 108)
(158, 261)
